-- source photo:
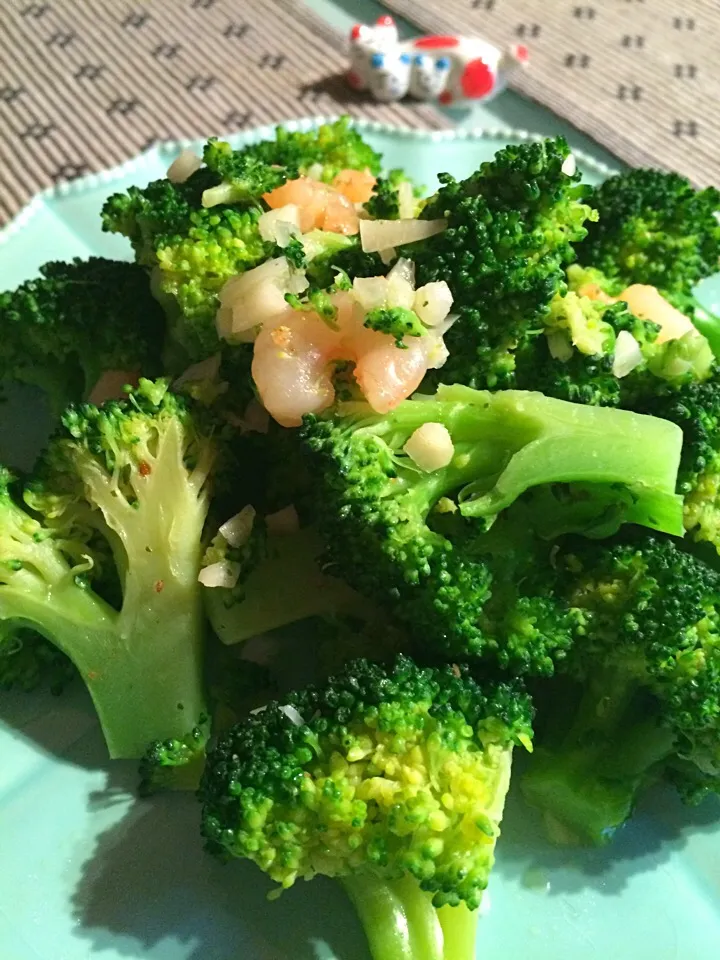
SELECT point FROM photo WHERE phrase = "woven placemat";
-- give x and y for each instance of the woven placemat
(85, 84)
(642, 77)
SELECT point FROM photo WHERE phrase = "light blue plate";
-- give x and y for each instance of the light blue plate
(88, 872)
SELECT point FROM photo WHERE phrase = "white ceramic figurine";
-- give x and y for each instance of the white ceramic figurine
(445, 68)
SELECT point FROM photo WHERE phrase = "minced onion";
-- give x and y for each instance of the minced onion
(183, 167)
(406, 200)
(559, 346)
(204, 370)
(627, 354)
(378, 235)
(432, 302)
(237, 529)
(280, 225)
(224, 573)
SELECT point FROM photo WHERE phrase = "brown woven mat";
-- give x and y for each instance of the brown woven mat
(85, 84)
(640, 76)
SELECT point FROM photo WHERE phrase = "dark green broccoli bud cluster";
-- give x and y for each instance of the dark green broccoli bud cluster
(398, 322)
(511, 226)
(654, 227)
(382, 517)
(384, 204)
(76, 321)
(175, 764)
(391, 779)
(646, 664)
(244, 178)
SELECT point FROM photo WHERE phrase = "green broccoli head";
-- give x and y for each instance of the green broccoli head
(654, 227)
(511, 226)
(415, 540)
(195, 235)
(391, 779)
(646, 668)
(76, 321)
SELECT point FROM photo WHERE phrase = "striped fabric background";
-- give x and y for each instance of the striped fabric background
(640, 76)
(85, 84)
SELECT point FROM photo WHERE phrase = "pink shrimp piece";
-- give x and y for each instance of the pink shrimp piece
(321, 206)
(293, 362)
(291, 366)
(356, 185)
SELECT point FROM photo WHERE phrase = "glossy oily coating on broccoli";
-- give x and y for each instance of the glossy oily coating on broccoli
(415, 541)
(511, 226)
(77, 321)
(391, 779)
(653, 227)
(134, 473)
(646, 693)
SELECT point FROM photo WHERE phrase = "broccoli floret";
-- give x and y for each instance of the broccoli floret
(655, 228)
(77, 321)
(195, 235)
(646, 669)
(29, 662)
(134, 472)
(398, 322)
(175, 764)
(243, 177)
(414, 540)
(324, 152)
(312, 786)
(585, 338)
(511, 226)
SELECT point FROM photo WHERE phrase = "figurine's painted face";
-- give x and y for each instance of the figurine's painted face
(389, 76)
(428, 76)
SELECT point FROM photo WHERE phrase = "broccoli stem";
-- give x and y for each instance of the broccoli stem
(586, 780)
(399, 919)
(708, 324)
(286, 586)
(459, 926)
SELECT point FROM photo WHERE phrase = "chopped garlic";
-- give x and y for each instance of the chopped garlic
(278, 226)
(627, 354)
(569, 166)
(237, 529)
(432, 302)
(183, 167)
(224, 573)
(430, 447)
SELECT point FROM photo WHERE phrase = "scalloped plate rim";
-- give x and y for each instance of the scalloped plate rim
(111, 174)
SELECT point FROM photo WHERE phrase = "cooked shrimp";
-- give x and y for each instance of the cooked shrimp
(321, 206)
(294, 356)
(356, 185)
(648, 303)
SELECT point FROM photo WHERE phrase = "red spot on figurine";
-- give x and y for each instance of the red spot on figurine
(354, 79)
(522, 54)
(385, 21)
(435, 42)
(477, 79)
(356, 31)
(445, 97)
